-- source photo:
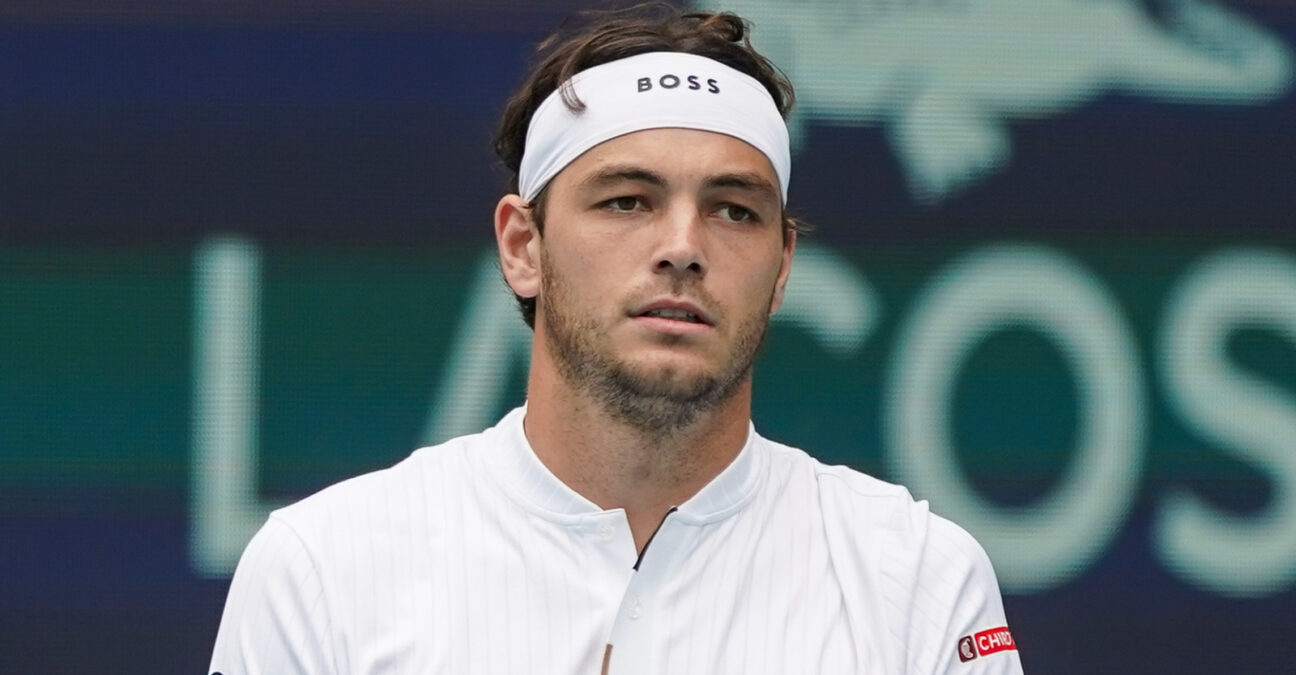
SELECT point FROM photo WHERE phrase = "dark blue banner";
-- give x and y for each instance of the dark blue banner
(245, 252)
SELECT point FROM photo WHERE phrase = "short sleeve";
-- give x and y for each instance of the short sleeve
(276, 619)
(957, 625)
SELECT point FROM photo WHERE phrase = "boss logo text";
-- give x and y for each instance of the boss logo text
(669, 81)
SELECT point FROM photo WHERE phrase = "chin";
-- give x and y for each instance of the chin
(672, 368)
(663, 377)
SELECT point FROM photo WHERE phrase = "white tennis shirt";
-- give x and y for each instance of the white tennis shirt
(471, 557)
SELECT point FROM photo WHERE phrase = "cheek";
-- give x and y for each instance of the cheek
(581, 277)
(753, 290)
(598, 260)
(763, 268)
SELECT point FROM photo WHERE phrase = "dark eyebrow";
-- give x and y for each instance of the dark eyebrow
(747, 181)
(750, 182)
(617, 173)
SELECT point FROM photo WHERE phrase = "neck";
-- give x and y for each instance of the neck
(616, 465)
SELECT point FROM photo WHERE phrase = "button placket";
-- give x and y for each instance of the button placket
(632, 633)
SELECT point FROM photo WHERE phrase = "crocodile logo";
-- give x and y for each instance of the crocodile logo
(944, 78)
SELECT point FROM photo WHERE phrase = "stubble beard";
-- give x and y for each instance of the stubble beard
(660, 402)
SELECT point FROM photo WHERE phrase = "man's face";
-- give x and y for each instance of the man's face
(662, 259)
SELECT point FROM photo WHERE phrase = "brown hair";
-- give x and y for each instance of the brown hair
(599, 37)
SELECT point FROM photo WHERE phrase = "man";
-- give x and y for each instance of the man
(628, 518)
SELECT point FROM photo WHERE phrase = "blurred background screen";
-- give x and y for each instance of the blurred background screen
(245, 252)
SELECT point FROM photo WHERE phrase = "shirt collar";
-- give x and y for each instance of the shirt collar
(509, 456)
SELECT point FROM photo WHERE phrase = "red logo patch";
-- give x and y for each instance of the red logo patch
(994, 640)
(985, 643)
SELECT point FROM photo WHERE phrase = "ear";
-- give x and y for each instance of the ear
(519, 245)
(785, 268)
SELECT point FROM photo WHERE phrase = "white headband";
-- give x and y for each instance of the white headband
(652, 91)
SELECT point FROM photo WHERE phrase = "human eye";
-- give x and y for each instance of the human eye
(737, 214)
(624, 204)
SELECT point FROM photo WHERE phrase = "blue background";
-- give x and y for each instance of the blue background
(351, 142)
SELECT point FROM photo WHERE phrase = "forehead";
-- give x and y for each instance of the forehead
(681, 156)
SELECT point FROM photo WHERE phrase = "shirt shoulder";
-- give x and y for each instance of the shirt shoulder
(880, 508)
(383, 498)
(846, 492)
(293, 599)
(915, 583)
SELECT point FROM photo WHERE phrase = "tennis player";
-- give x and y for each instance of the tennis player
(627, 518)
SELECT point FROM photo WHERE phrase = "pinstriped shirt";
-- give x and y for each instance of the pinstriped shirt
(471, 557)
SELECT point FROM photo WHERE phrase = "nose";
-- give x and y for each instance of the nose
(682, 249)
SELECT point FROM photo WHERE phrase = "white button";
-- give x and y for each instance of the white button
(636, 610)
(605, 531)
